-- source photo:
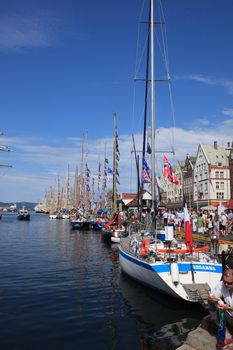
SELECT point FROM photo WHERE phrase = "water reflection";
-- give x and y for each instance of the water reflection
(162, 322)
(62, 289)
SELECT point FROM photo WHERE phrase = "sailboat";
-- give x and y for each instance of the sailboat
(114, 229)
(176, 269)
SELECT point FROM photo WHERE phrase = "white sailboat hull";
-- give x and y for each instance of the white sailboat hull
(159, 275)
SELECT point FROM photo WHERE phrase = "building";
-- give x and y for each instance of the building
(130, 200)
(211, 180)
(187, 176)
(229, 150)
(174, 192)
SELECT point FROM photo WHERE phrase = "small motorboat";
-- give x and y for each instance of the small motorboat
(23, 214)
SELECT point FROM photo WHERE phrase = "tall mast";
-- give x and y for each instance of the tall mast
(104, 183)
(67, 202)
(152, 105)
(114, 166)
(82, 189)
(76, 188)
(59, 196)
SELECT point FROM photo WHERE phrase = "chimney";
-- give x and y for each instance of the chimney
(215, 144)
(228, 144)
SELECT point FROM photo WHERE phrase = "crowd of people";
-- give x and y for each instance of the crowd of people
(205, 222)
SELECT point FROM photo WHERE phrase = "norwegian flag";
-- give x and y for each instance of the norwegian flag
(167, 169)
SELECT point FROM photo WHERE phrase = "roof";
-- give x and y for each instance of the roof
(128, 196)
(192, 159)
(215, 155)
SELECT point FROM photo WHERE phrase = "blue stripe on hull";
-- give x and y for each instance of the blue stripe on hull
(183, 267)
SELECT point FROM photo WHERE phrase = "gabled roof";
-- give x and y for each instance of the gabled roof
(215, 155)
(192, 159)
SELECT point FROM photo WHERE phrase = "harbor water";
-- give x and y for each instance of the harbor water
(63, 289)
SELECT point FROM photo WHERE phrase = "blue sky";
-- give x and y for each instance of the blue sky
(67, 66)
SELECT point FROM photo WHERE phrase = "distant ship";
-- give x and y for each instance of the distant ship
(41, 208)
(23, 214)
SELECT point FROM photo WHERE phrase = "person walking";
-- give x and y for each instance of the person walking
(223, 224)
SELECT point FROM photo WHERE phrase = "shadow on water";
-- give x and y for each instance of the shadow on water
(162, 322)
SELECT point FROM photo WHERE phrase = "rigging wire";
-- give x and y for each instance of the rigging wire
(169, 78)
(138, 63)
(163, 48)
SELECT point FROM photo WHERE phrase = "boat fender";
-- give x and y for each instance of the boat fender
(145, 247)
(175, 273)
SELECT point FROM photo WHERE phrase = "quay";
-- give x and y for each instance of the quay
(204, 336)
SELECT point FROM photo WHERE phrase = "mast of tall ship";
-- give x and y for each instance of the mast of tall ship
(67, 189)
(152, 113)
(114, 209)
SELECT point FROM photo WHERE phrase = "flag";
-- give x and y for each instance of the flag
(175, 179)
(145, 176)
(99, 176)
(148, 149)
(187, 228)
(145, 165)
(110, 171)
(167, 169)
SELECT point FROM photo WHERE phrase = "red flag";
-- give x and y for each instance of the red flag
(167, 169)
(175, 179)
(187, 228)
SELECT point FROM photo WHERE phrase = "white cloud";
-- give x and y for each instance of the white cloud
(202, 122)
(228, 112)
(37, 165)
(227, 84)
(19, 32)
